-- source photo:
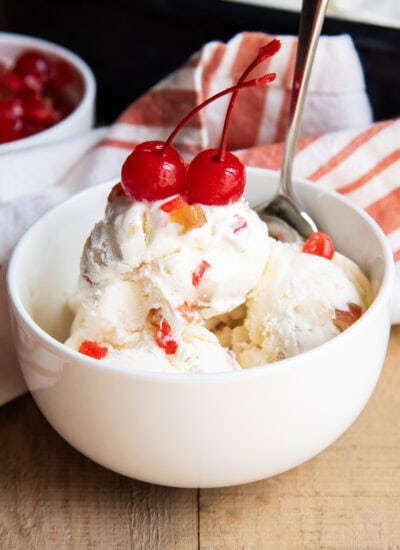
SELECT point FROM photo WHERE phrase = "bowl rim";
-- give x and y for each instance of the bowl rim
(89, 81)
(266, 369)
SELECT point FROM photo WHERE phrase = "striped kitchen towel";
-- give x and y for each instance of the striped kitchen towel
(340, 146)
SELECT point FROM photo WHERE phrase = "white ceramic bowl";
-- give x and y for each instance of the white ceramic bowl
(203, 430)
(82, 92)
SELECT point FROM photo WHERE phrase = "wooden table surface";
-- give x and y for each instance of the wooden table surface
(348, 497)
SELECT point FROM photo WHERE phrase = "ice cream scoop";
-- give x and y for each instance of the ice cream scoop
(153, 271)
(301, 301)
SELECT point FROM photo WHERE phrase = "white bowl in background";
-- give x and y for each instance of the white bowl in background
(82, 92)
(203, 430)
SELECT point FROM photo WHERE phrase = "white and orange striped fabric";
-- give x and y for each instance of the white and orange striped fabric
(340, 146)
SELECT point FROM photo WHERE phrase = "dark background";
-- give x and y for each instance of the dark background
(131, 45)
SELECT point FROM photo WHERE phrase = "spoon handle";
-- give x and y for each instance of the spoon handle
(311, 20)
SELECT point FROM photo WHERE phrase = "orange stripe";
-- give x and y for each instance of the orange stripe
(382, 165)
(249, 106)
(386, 211)
(162, 108)
(349, 149)
(118, 143)
(396, 255)
(125, 144)
(287, 83)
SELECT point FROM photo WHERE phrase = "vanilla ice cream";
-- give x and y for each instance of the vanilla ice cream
(171, 287)
(301, 301)
(144, 265)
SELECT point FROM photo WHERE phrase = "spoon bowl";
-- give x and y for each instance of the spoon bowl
(286, 221)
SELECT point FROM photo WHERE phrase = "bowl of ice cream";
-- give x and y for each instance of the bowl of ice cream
(237, 397)
(47, 92)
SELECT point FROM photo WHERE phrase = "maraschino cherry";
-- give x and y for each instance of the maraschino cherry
(154, 170)
(34, 68)
(33, 94)
(216, 176)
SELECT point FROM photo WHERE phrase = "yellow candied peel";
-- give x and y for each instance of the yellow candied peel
(188, 216)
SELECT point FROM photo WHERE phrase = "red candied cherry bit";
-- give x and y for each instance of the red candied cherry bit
(164, 339)
(92, 349)
(198, 274)
(320, 244)
(116, 192)
(174, 204)
(239, 223)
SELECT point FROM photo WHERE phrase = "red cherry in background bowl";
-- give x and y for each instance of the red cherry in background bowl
(60, 103)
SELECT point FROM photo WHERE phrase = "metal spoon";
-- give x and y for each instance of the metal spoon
(285, 219)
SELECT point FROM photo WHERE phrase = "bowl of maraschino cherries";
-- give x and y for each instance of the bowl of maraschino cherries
(47, 92)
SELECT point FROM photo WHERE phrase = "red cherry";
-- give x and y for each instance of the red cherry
(39, 109)
(11, 109)
(62, 75)
(153, 171)
(11, 82)
(34, 68)
(211, 180)
(10, 130)
(320, 244)
(217, 176)
(32, 95)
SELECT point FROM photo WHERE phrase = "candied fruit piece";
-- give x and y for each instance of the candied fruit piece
(187, 311)
(116, 191)
(188, 216)
(343, 318)
(92, 349)
(320, 244)
(173, 204)
(239, 223)
(197, 275)
(164, 339)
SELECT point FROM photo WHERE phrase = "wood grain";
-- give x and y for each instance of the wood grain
(347, 498)
(51, 497)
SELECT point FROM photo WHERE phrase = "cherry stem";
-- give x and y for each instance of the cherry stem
(265, 79)
(266, 51)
